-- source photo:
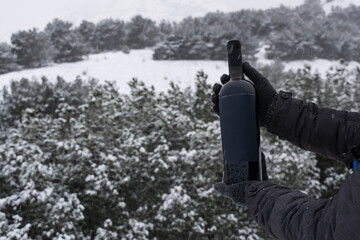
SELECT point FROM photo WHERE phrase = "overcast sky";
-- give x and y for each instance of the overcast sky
(25, 14)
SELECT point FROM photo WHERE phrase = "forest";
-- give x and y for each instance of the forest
(79, 160)
(304, 32)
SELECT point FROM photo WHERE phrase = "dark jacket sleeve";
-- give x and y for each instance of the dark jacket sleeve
(328, 132)
(291, 215)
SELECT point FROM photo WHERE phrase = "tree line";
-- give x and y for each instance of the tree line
(304, 32)
(62, 42)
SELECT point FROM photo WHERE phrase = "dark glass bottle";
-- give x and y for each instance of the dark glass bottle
(240, 131)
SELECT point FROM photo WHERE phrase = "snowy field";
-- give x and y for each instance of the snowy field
(121, 68)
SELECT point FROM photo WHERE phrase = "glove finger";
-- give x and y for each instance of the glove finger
(253, 74)
(217, 88)
(224, 78)
(216, 109)
(224, 190)
(215, 98)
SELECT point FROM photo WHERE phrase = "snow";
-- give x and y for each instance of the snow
(261, 55)
(121, 68)
(177, 195)
(2, 203)
(205, 193)
(327, 6)
(45, 194)
(318, 65)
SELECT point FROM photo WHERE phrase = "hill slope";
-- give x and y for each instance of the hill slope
(328, 5)
(121, 68)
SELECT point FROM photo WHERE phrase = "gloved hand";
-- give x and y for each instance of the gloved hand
(265, 93)
(236, 192)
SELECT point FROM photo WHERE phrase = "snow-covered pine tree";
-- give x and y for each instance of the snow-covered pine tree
(142, 33)
(137, 166)
(67, 43)
(86, 30)
(7, 59)
(32, 48)
(110, 34)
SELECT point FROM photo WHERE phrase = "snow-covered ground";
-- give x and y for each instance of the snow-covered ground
(121, 68)
(328, 5)
(318, 65)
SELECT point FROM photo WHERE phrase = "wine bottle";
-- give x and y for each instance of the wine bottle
(240, 130)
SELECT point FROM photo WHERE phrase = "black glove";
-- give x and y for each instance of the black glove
(236, 192)
(265, 93)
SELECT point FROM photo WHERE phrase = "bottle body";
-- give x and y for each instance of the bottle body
(239, 132)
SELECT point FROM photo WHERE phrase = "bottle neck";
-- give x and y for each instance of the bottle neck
(236, 73)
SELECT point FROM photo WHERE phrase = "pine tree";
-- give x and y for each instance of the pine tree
(32, 48)
(7, 59)
(110, 34)
(142, 32)
(165, 29)
(87, 32)
(66, 42)
(141, 165)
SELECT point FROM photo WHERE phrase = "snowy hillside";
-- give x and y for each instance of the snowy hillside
(120, 67)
